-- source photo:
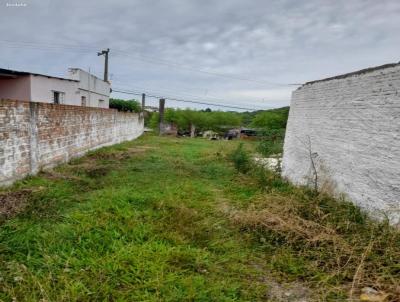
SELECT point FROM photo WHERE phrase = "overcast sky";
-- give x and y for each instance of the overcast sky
(173, 48)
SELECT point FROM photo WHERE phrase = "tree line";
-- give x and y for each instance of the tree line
(270, 125)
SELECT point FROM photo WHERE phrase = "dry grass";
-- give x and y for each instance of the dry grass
(280, 215)
(14, 202)
(330, 244)
(331, 236)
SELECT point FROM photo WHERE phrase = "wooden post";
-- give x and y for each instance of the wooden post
(161, 117)
(143, 101)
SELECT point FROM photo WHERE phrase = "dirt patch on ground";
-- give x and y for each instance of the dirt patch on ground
(97, 171)
(12, 203)
(119, 154)
(54, 175)
(140, 149)
(288, 292)
(95, 165)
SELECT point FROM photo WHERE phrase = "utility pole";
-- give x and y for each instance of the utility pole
(161, 117)
(143, 101)
(105, 53)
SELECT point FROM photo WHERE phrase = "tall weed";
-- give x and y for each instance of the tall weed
(241, 159)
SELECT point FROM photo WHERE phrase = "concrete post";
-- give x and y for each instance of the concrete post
(143, 101)
(192, 130)
(161, 117)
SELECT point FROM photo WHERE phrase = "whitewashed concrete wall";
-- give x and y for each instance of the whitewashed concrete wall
(350, 127)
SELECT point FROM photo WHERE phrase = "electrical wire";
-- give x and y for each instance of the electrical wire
(140, 57)
(87, 49)
(187, 101)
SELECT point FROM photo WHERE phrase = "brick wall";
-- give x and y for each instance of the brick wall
(349, 127)
(40, 135)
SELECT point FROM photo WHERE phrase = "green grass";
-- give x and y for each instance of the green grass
(165, 219)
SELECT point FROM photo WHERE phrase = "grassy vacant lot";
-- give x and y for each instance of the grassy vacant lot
(165, 219)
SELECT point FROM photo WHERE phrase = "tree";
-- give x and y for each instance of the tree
(125, 105)
(271, 119)
(188, 119)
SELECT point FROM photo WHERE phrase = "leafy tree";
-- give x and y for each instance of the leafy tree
(125, 105)
(271, 119)
(202, 120)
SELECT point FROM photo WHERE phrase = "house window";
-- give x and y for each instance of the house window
(58, 97)
(101, 103)
(83, 101)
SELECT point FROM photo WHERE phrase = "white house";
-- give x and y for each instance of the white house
(81, 89)
(93, 92)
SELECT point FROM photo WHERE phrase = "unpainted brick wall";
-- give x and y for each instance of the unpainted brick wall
(350, 128)
(36, 136)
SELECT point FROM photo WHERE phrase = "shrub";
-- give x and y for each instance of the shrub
(268, 148)
(126, 106)
(241, 159)
(273, 126)
(272, 142)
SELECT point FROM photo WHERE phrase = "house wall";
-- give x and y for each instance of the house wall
(16, 89)
(350, 128)
(36, 136)
(42, 90)
(96, 91)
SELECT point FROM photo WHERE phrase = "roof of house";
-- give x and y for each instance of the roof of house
(358, 72)
(8, 73)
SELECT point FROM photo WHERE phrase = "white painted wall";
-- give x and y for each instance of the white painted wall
(42, 88)
(16, 89)
(351, 125)
(96, 91)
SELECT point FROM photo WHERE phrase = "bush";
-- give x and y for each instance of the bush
(268, 148)
(273, 126)
(241, 159)
(272, 142)
(126, 106)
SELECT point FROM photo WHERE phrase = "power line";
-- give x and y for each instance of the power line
(187, 101)
(148, 59)
(87, 49)
(163, 91)
(216, 74)
(50, 46)
(120, 79)
(178, 94)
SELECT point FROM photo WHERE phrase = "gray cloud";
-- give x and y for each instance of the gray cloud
(271, 41)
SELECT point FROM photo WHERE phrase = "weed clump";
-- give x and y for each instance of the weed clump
(241, 159)
(271, 142)
(12, 203)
